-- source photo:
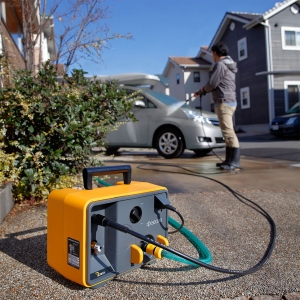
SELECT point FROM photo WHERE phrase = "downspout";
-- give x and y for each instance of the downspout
(3, 11)
(269, 69)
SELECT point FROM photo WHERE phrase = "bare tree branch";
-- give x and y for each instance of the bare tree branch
(82, 33)
(80, 30)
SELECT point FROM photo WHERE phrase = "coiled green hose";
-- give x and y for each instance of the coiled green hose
(204, 254)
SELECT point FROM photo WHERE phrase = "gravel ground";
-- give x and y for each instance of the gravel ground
(236, 235)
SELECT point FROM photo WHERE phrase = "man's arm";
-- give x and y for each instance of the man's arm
(214, 81)
(216, 77)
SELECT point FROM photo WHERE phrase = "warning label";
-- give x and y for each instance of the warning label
(73, 253)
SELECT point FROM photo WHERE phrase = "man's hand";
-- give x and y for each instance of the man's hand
(200, 92)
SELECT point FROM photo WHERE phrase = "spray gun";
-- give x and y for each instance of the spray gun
(190, 98)
(199, 93)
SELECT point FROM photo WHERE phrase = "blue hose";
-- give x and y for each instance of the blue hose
(204, 254)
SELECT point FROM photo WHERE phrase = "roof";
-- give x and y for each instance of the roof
(249, 19)
(247, 16)
(189, 61)
(279, 6)
(227, 19)
(185, 62)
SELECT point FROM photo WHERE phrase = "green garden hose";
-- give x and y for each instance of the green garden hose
(204, 254)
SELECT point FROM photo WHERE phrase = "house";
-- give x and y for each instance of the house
(11, 35)
(186, 74)
(266, 48)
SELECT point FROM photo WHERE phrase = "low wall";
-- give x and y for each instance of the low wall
(6, 200)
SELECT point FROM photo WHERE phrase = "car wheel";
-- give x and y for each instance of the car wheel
(202, 152)
(169, 143)
(111, 150)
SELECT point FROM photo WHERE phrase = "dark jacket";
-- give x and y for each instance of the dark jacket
(222, 81)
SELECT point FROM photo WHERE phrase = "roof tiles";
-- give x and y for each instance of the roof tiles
(183, 60)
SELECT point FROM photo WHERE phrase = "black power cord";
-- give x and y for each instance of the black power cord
(241, 198)
(103, 221)
(169, 207)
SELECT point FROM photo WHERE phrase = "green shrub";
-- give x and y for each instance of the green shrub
(49, 128)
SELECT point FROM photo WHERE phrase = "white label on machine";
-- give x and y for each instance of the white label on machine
(73, 253)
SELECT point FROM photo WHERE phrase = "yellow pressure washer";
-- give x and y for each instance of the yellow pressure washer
(96, 234)
(89, 254)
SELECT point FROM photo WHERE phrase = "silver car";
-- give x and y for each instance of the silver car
(167, 124)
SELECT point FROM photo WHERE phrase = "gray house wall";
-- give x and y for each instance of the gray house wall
(258, 112)
(283, 59)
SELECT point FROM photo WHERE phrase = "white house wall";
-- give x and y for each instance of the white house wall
(190, 87)
(176, 90)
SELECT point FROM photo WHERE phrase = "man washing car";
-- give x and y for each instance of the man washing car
(222, 86)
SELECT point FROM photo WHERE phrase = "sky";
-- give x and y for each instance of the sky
(163, 28)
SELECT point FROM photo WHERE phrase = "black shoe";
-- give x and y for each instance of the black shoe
(225, 162)
(234, 161)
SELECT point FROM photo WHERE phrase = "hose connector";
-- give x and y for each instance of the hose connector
(152, 250)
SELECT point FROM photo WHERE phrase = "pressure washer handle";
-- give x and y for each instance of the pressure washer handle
(88, 173)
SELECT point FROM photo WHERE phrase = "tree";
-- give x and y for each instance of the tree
(79, 30)
(81, 33)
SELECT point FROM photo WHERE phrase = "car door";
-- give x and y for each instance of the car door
(134, 134)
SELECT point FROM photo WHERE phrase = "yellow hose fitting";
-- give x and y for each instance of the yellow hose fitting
(157, 252)
(161, 239)
(154, 250)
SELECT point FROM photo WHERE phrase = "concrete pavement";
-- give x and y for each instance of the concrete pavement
(236, 234)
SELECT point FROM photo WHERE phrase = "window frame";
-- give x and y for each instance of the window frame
(283, 31)
(242, 90)
(178, 78)
(194, 73)
(239, 44)
(286, 95)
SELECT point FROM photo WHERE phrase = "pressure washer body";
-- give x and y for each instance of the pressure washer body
(89, 254)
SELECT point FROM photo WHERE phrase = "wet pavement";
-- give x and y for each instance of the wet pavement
(266, 164)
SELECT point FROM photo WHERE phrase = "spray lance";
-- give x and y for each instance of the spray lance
(199, 93)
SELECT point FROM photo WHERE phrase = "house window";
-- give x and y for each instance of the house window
(291, 93)
(290, 37)
(196, 76)
(177, 78)
(242, 49)
(245, 97)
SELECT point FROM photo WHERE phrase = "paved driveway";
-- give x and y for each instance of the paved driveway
(236, 234)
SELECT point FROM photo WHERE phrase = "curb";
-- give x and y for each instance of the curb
(6, 200)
